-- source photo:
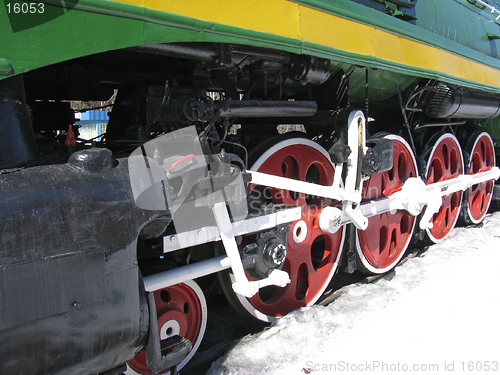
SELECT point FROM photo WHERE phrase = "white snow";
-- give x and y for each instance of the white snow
(439, 314)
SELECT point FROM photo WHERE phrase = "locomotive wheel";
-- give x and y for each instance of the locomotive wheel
(445, 161)
(478, 197)
(181, 310)
(312, 256)
(383, 243)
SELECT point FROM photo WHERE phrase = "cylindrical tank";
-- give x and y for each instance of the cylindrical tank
(445, 102)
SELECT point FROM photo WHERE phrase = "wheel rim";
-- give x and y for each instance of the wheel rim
(181, 310)
(445, 162)
(383, 243)
(312, 255)
(482, 158)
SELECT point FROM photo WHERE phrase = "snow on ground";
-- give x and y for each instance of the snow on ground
(440, 314)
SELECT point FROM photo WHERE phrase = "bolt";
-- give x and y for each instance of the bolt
(279, 253)
(275, 253)
(76, 306)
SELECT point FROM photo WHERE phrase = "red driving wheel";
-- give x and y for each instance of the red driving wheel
(445, 162)
(312, 256)
(181, 310)
(481, 151)
(383, 243)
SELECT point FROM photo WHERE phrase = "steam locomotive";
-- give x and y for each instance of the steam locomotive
(273, 143)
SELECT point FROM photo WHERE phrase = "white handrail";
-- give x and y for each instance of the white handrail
(490, 7)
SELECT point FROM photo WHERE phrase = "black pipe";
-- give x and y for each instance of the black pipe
(212, 52)
(196, 51)
(269, 108)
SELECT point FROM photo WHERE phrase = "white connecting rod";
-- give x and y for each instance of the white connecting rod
(330, 192)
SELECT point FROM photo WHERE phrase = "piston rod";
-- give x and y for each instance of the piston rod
(178, 275)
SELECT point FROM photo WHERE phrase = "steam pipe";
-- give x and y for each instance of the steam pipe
(269, 108)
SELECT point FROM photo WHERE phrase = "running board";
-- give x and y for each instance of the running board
(251, 225)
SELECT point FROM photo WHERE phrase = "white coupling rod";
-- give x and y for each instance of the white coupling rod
(465, 181)
(413, 197)
(209, 234)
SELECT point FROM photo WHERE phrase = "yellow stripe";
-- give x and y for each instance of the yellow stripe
(296, 21)
(367, 40)
(354, 37)
(277, 17)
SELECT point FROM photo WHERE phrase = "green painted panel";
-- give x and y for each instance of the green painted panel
(76, 33)
(382, 84)
(493, 128)
(94, 26)
(459, 21)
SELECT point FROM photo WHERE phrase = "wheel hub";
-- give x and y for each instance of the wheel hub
(274, 254)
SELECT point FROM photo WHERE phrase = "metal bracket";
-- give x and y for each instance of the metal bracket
(242, 285)
(283, 215)
(164, 354)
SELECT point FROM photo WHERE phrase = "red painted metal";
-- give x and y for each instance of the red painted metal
(182, 160)
(70, 137)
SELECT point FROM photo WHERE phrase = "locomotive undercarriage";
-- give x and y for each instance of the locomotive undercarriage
(368, 175)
